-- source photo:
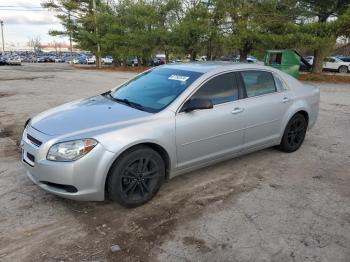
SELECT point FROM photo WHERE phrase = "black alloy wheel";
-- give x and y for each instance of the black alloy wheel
(294, 134)
(136, 177)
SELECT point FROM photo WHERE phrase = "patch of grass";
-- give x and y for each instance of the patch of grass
(324, 77)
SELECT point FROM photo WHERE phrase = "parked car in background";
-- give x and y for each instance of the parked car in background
(201, 58)
(108, 60)
(335, 64)
(82, 60)
(157, 61)
(13, 60)
(251, 59)
(29, 58)
(45, 57)
(309, 59)
(75, 61)
(41, 59)
(331, 63)
(58, 60)
(2, 60)
(228, 58)
(133, 61)
(167, 121)
(91, 60)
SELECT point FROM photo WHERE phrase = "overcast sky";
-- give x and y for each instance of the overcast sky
(24, 19)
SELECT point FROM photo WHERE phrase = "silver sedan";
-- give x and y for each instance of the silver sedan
(169, 120)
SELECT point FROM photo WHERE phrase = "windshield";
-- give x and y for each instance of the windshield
(154, 90)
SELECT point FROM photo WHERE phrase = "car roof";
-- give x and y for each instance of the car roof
(204, 67)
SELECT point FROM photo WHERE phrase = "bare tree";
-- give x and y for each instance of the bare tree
(35, 43)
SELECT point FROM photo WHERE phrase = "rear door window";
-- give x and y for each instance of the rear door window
(258, 83)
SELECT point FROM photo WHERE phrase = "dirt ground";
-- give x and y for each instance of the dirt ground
(265, 206)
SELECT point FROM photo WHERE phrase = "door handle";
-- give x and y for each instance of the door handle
(237, 110)
(285, 99)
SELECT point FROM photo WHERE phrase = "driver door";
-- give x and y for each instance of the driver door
(204, 135)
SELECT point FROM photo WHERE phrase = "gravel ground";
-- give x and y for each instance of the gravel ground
(265, 206)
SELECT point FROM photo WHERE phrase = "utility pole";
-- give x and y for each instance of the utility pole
(98, 58)
(2, 35)
(70, 37)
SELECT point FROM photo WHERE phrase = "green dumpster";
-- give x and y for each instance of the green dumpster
(286, 60)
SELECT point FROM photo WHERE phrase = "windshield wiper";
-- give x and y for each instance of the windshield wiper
(130, 103)
(124, 101)
(106, 93)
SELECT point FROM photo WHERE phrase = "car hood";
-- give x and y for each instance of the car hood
(84, 114)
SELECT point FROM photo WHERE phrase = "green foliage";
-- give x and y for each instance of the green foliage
(129, 28)
(329, 20)
(192, 32)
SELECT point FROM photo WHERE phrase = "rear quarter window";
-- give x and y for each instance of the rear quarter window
(280, 85)
(258, 83)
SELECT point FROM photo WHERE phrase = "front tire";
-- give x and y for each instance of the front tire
(294, 134)
(136, 177)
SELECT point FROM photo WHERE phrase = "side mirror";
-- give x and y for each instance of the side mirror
(197, 104)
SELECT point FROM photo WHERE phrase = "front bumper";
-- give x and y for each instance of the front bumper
(86, 176)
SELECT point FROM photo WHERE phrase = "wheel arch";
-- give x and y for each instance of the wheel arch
(286, 146)
(305, 115)
(303, 112)
(292, 112)
(347, 67)
(163, 153)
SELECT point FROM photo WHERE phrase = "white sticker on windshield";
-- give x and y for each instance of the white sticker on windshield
(178, 78)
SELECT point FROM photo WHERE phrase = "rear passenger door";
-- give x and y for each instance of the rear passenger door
(264, 107)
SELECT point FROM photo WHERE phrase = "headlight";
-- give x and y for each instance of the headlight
(71, 150)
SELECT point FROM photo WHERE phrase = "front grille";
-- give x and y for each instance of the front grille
(31, 157)
(34, 140)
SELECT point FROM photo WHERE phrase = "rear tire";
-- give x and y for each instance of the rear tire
(343, 69)
(294, 134)
(136, 177)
